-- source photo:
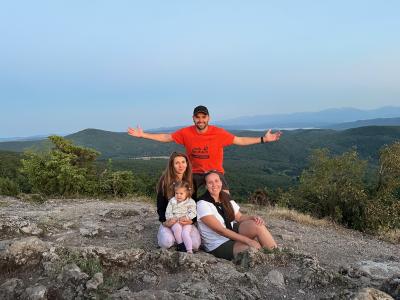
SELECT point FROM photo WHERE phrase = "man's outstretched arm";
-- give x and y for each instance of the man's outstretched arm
(159, 137)
(268, 137)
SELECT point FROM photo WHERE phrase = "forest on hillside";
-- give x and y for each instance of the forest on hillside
(352, 177)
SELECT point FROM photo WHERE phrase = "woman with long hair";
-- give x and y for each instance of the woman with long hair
(221, 236)
(178, 169)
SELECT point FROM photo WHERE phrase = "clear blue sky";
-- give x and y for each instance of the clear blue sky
(71, 65)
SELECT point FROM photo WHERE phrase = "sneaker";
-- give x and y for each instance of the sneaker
(181, 247)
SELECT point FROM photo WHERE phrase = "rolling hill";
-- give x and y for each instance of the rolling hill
(269, 165)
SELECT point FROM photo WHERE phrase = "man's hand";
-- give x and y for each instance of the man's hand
(136, 132)
(272, 137)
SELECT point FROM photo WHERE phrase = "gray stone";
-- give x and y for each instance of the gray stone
(95, 281)
(68, 225)
(72, 273)
(288, 237)
(4, 244)
(90, 229)
(32, 229)
(392, 286)
(11, 289)
(377, 271)
(276, 278)
(38, 292)
(371, 294)
(197, 290)
(122, 294)
(88, 232)
(26, 251)
(138, 227)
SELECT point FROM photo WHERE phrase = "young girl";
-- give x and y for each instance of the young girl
(180, 210)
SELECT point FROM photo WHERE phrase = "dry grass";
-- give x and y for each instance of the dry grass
(391, 236)
(287, 214)
(4, 204)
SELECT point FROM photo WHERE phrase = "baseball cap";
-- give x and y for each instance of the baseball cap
(200, 109)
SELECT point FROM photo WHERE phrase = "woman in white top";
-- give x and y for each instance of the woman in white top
(220, 236)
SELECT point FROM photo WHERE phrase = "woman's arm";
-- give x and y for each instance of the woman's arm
(212, 222)
(239, 217)
(161, 206)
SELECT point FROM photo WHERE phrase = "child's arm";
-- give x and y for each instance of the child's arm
(190, 213)
(168, 211)
(171, 220)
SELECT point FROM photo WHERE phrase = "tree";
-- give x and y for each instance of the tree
(384, 209)
(66, 170)
(333, 187)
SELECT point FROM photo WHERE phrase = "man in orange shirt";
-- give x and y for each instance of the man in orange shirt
(204, 144)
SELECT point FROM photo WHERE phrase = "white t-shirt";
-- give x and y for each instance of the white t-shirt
(210, 239)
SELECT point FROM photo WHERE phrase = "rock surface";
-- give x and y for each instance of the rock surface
(92, 249)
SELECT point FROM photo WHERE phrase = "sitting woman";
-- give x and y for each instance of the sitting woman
(178, 169)
(220, 235)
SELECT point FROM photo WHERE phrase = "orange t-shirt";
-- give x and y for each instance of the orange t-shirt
(205, 150)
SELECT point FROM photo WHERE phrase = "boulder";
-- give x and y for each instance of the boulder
(11, 289)
(371, 294)
(27, 251)
(37, 292)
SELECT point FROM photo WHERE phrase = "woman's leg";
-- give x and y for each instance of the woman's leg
(187, 239)
(177, 230)
(165, 237)
(196, 239)
(239, 247)
(250, 229)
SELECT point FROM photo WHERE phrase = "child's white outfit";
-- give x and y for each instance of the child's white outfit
(177, 210)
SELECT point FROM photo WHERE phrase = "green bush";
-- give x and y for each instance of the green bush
(8, 187)
(383, 214)
(332, 187)
(66, 170)
(118, 184)
(383, 210)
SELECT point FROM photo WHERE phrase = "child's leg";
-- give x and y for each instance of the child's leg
(177, 230)
(187, 239)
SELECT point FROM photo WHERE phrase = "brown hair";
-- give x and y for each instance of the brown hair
(169, 177)
(224, 198)
(183, 185)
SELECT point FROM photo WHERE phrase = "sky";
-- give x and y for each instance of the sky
(70, 65)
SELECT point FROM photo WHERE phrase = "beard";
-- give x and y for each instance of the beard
(201, 126)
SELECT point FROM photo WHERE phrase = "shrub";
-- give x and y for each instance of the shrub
(118, 184)
(383, 210)
(262, 197)
(332, 187)
(8, 187)
(66, 170)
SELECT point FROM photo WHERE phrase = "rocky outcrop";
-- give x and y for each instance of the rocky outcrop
(107, 250)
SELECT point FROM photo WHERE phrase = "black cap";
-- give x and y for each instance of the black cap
(200, 109)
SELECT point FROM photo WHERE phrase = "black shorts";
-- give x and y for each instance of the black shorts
(225, 250)
(199, 181)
